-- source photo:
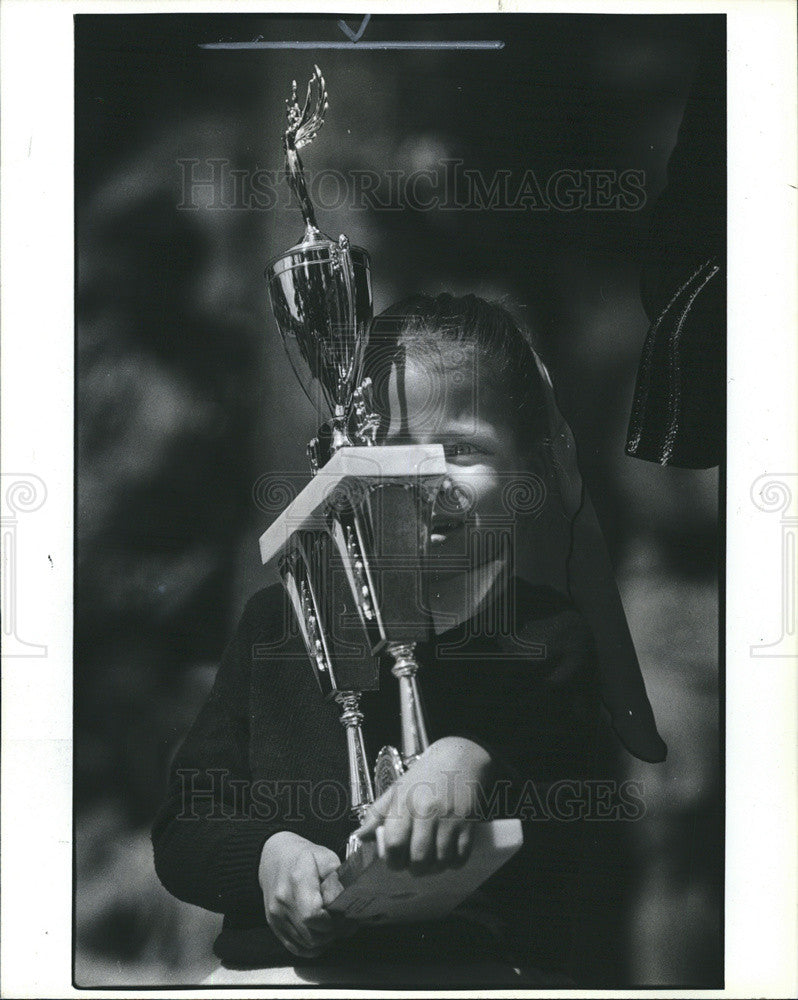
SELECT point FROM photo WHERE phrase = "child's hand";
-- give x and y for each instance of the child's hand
(291, 873)
(429, 812)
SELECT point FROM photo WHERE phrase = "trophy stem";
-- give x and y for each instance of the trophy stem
(360, 786)
(414, 730)
(340, 436)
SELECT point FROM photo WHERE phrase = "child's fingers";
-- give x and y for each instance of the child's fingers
(327, 861)
(422, 845)
(331, 888)
(375, 817)
(311, 922)
(398, 830)
(465, 839)
(284, 930)
(446, 842)
(308, 907)
(298, 948)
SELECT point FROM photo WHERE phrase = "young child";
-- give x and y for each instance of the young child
(530, 634)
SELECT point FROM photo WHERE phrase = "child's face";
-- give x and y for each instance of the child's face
(446, 401)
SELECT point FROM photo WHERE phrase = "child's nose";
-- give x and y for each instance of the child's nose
(455, 497)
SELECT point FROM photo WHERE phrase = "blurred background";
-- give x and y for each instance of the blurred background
(185, 398)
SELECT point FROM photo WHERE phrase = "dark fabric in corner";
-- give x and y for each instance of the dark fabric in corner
(679, 411)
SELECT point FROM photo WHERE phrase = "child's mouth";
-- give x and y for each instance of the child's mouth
(441, 530)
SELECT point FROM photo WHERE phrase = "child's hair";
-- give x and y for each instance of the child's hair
(449, 330)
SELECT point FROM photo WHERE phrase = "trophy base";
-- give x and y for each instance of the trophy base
(376, 894)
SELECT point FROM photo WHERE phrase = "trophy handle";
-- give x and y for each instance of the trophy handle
(367, 420)
(342, 266)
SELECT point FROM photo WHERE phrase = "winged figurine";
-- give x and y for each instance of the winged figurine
(302, 126)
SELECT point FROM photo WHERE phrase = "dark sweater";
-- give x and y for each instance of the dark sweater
(269, 754)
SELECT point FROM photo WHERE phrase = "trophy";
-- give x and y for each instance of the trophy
(351, 545)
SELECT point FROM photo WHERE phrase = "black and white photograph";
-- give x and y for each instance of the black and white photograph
(531, 275)
(403, 462)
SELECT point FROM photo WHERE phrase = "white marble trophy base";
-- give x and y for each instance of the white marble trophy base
(307, 511)
(376, 894)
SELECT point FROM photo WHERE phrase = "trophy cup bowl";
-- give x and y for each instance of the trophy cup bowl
(321, 297)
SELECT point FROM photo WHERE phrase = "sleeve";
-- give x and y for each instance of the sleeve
(206, 838)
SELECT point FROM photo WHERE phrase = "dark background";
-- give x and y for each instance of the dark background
(185, 398)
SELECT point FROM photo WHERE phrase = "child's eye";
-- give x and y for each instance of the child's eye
(459, 448)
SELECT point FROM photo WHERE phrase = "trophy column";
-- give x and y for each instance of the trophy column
(414, 730)
(308, 569)
(360, 787)
(400, 512)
